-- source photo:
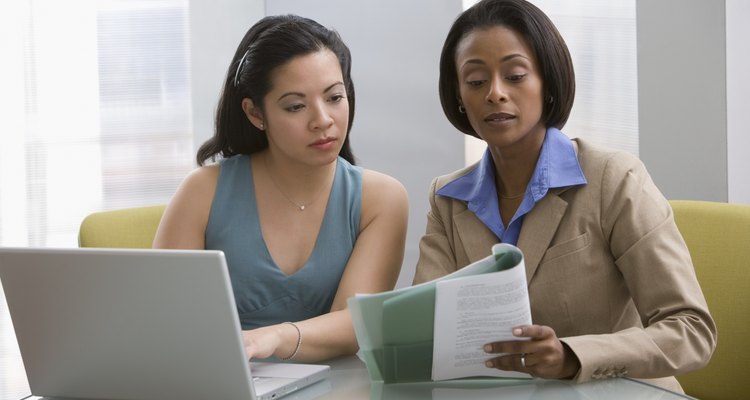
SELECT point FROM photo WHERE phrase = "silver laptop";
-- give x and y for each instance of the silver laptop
(135, 324)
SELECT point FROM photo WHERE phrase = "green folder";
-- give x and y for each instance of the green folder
(395, 329)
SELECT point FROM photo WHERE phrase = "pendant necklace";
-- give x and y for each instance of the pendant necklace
(300, 206)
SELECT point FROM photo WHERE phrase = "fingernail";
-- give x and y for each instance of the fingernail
(487, 348)
(488, 364)
(517, 331)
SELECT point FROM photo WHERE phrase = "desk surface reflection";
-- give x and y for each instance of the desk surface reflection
(349, 381)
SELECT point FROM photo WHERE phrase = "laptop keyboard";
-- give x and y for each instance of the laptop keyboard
(261, 379)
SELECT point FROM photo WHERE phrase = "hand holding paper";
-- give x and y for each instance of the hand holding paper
(476, 310)
(435, 331)
(544, 355)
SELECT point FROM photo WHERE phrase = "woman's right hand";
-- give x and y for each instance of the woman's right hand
(268, 341)
(543, 356)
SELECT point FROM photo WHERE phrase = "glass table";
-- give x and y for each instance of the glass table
(349, 380)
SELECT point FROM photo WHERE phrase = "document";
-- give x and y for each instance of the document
(473, 311)
(401, 340)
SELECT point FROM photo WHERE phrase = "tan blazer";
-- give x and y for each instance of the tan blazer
(602, 261)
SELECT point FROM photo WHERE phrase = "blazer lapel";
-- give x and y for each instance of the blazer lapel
(539, 227)
(476, 238)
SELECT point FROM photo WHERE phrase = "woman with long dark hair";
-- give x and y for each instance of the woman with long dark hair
(301, 226)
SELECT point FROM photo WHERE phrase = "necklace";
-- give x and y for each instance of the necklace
(298, 205)
(515, 196)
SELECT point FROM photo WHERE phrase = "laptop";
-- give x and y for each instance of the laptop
(135, 324)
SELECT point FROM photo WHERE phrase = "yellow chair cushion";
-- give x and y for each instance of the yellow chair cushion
(125, 228)
(718, 237)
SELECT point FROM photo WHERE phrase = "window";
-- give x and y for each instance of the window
(94, 115)
(98, 112)
(601, 37)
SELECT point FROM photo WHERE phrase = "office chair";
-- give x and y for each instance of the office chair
(124, 228)
(718, 237)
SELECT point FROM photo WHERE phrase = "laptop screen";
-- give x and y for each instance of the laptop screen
(104, 323)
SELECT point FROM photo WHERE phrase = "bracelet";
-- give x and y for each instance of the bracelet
(299, 342)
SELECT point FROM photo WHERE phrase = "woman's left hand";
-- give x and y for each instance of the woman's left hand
(543, 356)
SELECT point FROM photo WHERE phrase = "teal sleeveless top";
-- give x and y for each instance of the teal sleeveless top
(263, 293)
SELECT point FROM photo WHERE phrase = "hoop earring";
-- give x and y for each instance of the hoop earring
(550, 99)
(461, 109)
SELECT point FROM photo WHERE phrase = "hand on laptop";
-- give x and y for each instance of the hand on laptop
(276, 340)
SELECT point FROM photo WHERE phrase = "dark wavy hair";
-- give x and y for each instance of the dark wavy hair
(271, 42)
(540, 33)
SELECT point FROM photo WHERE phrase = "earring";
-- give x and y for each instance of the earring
(461, 109)
(550, 99)
(262, 126)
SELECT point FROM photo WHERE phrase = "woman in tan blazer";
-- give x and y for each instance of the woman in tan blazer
(611, 283)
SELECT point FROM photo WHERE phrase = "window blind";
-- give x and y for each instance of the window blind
(100, 118)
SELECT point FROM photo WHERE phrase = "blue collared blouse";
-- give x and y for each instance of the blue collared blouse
(556, 167)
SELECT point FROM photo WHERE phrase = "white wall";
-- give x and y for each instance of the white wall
(682, 96)
(693, 59)
(738, 100)
(216, 28)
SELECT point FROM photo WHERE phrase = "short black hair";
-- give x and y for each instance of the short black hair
(271, 42)
(552, 55)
